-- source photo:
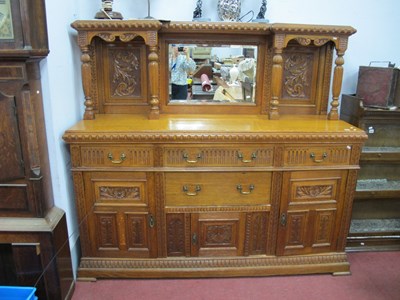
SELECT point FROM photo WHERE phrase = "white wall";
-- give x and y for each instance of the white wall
(376, 39)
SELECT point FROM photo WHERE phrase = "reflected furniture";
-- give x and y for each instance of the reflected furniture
(375, 223)
(200, 190)
(34, 248)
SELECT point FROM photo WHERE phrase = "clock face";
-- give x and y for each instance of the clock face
(6, 25)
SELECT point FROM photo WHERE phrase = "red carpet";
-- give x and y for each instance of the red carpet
(375, 276)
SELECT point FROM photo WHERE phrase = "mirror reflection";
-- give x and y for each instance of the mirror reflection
(212, 74)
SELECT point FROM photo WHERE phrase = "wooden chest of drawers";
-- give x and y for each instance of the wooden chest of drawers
(274, 198)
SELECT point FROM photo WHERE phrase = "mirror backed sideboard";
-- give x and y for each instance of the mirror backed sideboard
(249, 173)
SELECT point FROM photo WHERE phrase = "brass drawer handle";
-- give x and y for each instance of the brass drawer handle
(186, 157)
(240, 189)
(253, 156)
(324, 156)
(197, 189)
(122, 157)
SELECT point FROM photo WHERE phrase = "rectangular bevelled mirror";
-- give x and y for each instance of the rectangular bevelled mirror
(209, 73)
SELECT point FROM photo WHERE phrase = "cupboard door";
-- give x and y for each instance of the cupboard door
(121, 217)
(310, 212)
(218, 234)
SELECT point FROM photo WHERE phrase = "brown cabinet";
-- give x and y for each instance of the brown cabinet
(375, 223)
(208, 187)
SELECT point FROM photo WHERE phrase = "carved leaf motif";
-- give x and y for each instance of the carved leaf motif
(108, 192)
(108, 37)
(296, 70)
(314, 191)
(126, 64)
(320, 42)
(303, 41)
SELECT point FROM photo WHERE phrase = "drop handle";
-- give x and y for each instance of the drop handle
(196, 191)
(186, 158)
(240, 156)
(122, 157)
(240, 189)
(313, 157)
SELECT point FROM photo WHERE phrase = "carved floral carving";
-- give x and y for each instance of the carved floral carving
(108, 192)
(218, 234)
(124, 77)
(314, 191)
(297, 69)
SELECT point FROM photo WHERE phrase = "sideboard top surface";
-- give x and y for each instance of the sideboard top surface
(250, 127)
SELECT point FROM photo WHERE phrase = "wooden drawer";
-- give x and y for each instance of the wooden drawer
(214, 155)
(116, 156)
(317, 155)
(198, 189)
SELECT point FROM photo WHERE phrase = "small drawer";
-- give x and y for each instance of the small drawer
(210, 189)
(218, 156)
(117, 156)
(317, 155)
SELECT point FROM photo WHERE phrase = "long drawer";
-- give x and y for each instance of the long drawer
(218, 188)
(217, 156)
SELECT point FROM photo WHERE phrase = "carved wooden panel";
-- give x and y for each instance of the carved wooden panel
(297, 75)
(297, 228)
(129, 193)
(325, 219)
(218, 156)
(306, 78)
(106, 231)
(121, 75)
(136, 232)
(116, 156)
(175, 234)
(311, 156)
(11, 163)
(258, 233)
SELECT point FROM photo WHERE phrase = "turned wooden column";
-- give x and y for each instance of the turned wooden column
(86, 83)
(154, 82)
(277, 71)
(337, 79)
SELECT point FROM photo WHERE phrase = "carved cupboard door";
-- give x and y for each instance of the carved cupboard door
(120, 211)
(311, 210)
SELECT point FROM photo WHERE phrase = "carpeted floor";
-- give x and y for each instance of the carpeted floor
(375, 276)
